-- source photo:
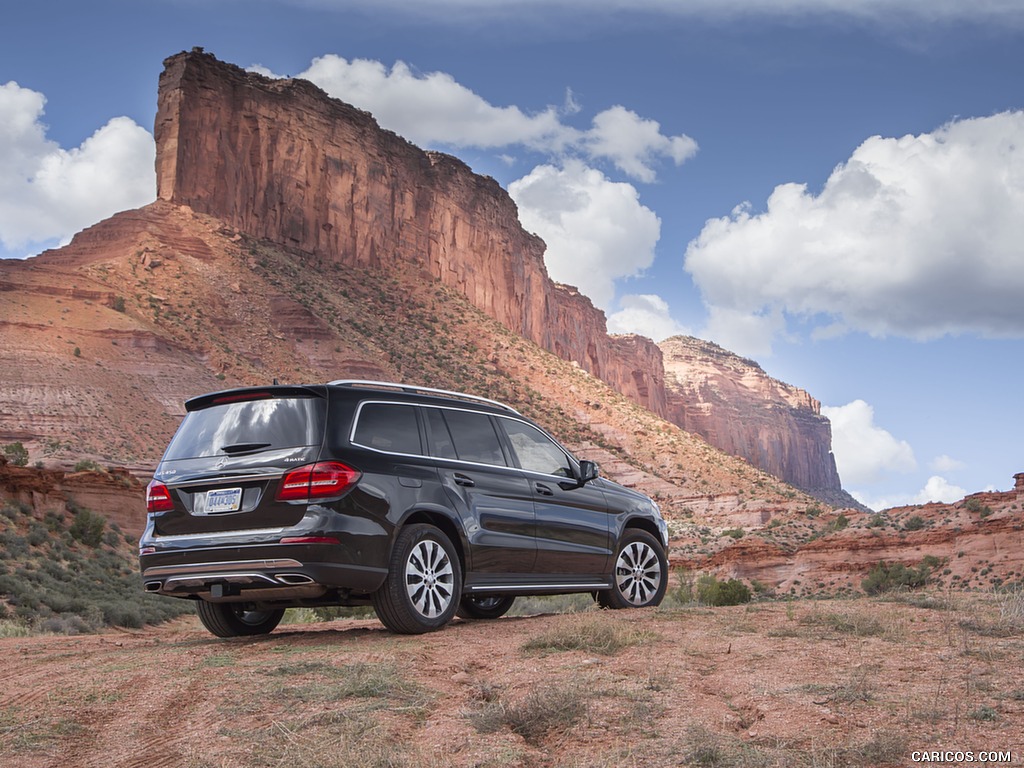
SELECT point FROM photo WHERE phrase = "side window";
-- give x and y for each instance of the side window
(474, 437)
(535, 451)
(388, 427)
(441, 445)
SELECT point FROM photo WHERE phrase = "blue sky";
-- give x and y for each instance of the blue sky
(834, 188)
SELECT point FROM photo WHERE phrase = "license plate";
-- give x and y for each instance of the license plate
(223, 500)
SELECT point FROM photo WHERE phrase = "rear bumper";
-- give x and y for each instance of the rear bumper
(342, 555)
(231, 576)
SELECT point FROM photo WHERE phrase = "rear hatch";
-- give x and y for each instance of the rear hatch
(233, 458)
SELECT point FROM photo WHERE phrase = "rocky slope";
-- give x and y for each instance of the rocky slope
(280, 161)
(975, 543)
(104, 339)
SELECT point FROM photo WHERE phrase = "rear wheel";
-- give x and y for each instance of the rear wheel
(421, 592)
(641, 573)
(488, 607)
(237, 619)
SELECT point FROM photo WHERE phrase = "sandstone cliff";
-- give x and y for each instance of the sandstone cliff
(734, 405)
(279, 160)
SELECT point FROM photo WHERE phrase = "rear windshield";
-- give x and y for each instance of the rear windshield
(270, 424)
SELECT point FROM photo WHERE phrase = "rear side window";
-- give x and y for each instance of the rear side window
(441, 445)
(388, 427)
(474, 437)
(269, 424)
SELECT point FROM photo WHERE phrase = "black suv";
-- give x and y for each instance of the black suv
(422, 502)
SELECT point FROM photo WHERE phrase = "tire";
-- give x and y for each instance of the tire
(640, 577)
(237, 619)
(424, 583)
(487, 607)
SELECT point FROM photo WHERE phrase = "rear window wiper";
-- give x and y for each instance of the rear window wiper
(244, 447)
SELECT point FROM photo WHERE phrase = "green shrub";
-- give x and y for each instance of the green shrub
(839, 523)
(885, 578)
(17, 454)
(683, 593)
(88, 528)
(88, 465)
(916, 523)
(711, 591)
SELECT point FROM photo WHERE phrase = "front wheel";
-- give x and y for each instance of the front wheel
(421, 592)
(237, 619)
(641, 573)
(488, 607)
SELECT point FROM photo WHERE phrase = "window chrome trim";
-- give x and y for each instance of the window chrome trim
(359, 411)
(527, 587)
(171, 483)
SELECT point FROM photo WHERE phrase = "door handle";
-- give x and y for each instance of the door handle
(461, 479)
(543, 490)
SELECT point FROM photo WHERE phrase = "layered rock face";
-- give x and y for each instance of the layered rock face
(280, 160)
(734, 405)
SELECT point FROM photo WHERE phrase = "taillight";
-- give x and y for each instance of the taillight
(158, 497)
(317, 481)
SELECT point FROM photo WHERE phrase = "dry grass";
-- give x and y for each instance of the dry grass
(592, 634)
(545, 710)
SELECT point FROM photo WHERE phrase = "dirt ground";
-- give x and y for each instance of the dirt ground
(827, 683)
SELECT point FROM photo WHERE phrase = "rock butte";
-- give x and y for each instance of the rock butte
(282, 161)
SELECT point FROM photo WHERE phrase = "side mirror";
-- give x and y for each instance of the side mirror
(588, 471)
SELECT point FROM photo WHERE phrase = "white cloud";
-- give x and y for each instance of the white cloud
(864, 451)
(633, 143)
(433, 109)
(939, 489)
(647, 315)
(946, 464)
(745, 333)
(596, 230)
(49, 193)
(936, 489)
(919, 236)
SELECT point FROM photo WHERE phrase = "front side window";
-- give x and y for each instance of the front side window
(388, 427)
(474, 437)
(535, 451)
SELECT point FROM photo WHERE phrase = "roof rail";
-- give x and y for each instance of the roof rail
(414, 388)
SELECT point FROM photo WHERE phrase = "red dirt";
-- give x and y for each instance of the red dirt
(831, 683)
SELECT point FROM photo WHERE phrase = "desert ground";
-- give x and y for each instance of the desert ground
(864, 682)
